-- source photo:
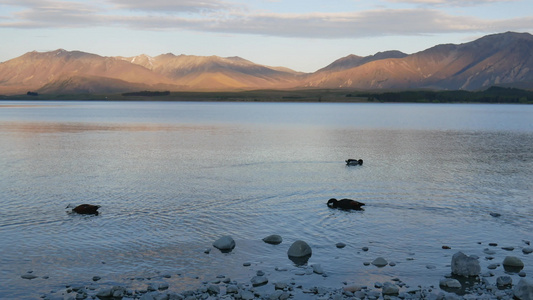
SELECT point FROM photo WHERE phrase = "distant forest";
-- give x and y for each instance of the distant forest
(491, 95)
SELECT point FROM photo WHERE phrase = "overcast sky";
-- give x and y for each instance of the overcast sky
(304, 35)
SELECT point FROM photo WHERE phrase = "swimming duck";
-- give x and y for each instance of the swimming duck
(353, 162)
(345, 204)
(86, 209)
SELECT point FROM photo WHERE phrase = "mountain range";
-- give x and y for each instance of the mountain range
(503, 59)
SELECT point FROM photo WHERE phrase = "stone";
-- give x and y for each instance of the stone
(450, 283)
(28, 276)
(390, 289)
(508, 248)
(225, 243)
(513, 261)
(380, 262)
(299, 249)
(280, 285)
(527, 250)
(352, 288)
(213, 289)
(496, 215)
(489, 251)
(340, 245)
(503, 281)
(247, 295)
(464, 265)
(524, 289)
(493, 266)
(317, 268)
(96, 278)
(364, 249)
(163, 286)
(259, 280)
(273, 239)
(232, 289)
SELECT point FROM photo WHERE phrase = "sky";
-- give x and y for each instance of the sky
(304, 35)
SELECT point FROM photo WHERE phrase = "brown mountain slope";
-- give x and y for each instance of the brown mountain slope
(500, 59)
(214, 72)
(34, 70)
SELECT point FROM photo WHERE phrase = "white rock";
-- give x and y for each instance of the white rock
(225, 243)
(450, 283)
(524, 289)
(380, 262)
(299, 249)
(273, 239)
(464, 265)
(317, 268)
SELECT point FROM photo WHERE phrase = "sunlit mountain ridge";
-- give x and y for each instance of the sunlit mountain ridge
(500, 59)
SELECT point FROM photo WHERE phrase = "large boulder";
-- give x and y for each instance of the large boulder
(299, 249)
(464, 265)
(524, 289)
(224, 244)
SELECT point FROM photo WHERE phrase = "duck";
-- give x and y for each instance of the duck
(86, 209)
(345, 204)
(353, 162)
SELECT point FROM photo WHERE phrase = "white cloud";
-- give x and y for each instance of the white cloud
(172, 5)
(224, 18)
(451, 2)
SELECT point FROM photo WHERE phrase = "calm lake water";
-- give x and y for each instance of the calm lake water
(172, 177)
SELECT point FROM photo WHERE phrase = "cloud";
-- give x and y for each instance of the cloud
(451, 2)
(172, 5)
(219, 17)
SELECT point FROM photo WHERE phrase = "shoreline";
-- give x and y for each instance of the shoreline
(494, 281)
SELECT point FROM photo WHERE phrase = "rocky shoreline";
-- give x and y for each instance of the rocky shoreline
(466, 280)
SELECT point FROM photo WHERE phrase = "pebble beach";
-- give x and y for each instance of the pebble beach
(498, 275)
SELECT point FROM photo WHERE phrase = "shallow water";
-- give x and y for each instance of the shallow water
(172, 177)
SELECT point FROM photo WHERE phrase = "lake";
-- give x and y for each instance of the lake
(172, 177)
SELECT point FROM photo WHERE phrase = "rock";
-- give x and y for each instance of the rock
(524, 289)
(493, 244)
(273, 239)
(390, 289)
(513, 261)
(232, 289)
(508, 248)
(280, 285)
(225, 243)
(213, 289)
(446, 247)
(364, 249)
(246, 295)
(496, 215)
(352, 288)
(464, 265)
(503, 281)
(299, 249)
(527, 250)
(259, 280)
(163, 286)
(96, 278)
(380, 262)
(489, 251)
(493, 266)
(28, 276)
(317, 268)
(340, 245)
(522, 274)
(450, 283)
(246, 264)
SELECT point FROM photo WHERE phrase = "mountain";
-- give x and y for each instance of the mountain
(500, 59)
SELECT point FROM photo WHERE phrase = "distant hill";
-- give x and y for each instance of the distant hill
(501, 59)
(495, 60)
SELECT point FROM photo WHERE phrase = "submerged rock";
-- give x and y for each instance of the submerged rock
(273, 239)
(512, 264)
(225, 243)
(464, 265)
(380, 262)
(299, 249)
